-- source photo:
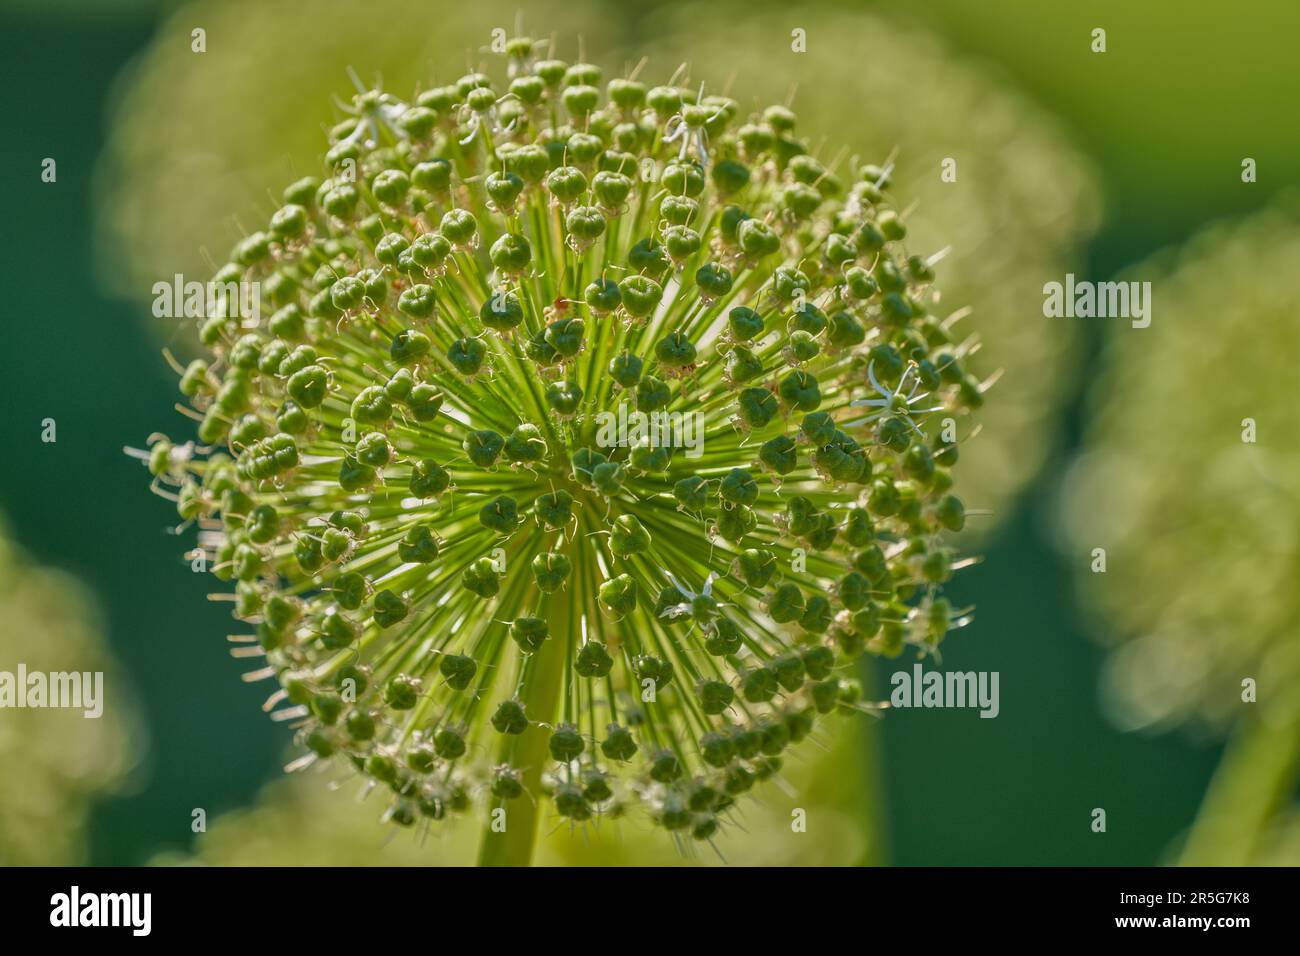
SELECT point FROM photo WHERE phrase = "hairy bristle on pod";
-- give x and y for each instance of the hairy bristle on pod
(586, 433)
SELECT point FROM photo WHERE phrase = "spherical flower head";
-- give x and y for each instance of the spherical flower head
(592, 431)
(1022, 201)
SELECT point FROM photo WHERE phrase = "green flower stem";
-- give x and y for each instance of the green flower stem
(1253, 782)
(869, 735)
(514, 846)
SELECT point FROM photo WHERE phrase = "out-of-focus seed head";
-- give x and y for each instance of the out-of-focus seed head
(1190, 475)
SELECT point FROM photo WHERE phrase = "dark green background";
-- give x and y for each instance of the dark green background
(1184, 99)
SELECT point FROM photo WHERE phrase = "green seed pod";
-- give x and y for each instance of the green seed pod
(618, 596)
(308, 386)
(457, 670)
(785, 604)
(449, 743)
(467, 356)
(743, 365)
(755, 567)
(759, 685)
(817, 615)
(501, 515)
(418, 301)
(652, 394)
(756, 407)
(629, 537)
(481, 578)
(715, 696)
(428, 479)
(512, 255)
(355, 476)
(603, 296)
(593, 661)
(554, 510)
(525, 444)
(570, 802)
(566, 743)
(950, 513)
(739, 487)
(529, 633)
(619, 743)
(483, 446)
(563, 398)
(507, 783)
(675, 351)
(799, 391)
(360, 726)
(510, 718)
(565, 336)
(424, 402)
(504, 188)
(607, 478)
(779, 455)
(625, 369)
(653, 669)
(408, 347)
(402, 692)
(744, 324)
(665, 767)
(736, 522)
(390, 609)
(692, 493)
(551, 570)
(639, 295)
(757, 240)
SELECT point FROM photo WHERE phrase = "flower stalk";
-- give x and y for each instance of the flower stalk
(516, 843)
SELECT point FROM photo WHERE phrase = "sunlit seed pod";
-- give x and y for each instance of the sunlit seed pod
(550, 571)
(529, 633)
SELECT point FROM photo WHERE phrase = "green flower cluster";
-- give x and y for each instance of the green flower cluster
(465, 587)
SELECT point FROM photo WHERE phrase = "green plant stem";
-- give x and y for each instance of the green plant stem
(867, 733)
(1252, 783)
(514, 846)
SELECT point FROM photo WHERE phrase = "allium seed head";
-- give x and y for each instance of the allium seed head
(594, 429)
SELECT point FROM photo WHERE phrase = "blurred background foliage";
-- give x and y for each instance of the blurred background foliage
(163, 153)
(56, 762)
(1201, 525)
